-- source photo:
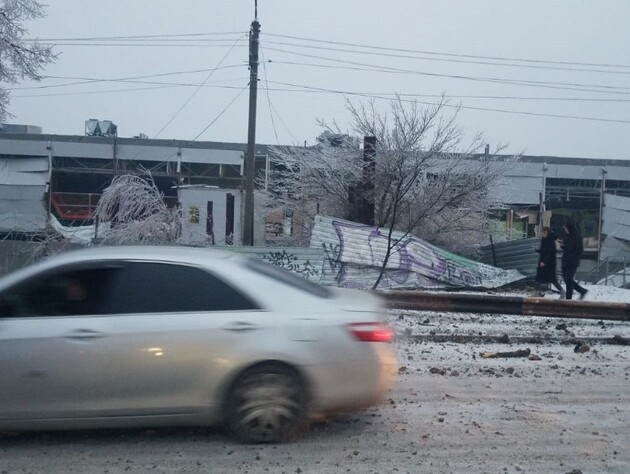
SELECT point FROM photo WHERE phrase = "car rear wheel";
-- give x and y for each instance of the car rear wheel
(267, 404)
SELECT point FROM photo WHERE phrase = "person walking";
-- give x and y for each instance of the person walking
(571, 253)
(546, 270)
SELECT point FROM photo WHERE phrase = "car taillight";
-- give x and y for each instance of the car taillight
(371, 332)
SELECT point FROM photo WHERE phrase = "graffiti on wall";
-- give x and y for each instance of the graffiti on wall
(355, 253)
(293, 263)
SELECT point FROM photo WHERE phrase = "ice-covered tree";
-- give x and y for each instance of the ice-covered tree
(427, 181)
(19, 58)
(132, 211)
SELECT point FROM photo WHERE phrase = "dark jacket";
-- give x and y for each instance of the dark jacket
(571, 248)
(547, 273)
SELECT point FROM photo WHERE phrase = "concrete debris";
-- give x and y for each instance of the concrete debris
(438, 371)
(501, 355)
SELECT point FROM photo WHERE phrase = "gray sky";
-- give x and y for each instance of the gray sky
(573, 31)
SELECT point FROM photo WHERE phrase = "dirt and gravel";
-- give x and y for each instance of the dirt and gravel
(451, 411)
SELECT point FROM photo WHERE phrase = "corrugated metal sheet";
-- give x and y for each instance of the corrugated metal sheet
(24, 171)
(354, 254)
(615, 250)
(22, 208)
(518, 255)
(22, 187)
(616, 219)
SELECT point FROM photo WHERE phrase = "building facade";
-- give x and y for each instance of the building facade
(62, 176)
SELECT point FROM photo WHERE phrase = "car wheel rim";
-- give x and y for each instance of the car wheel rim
(269, 404)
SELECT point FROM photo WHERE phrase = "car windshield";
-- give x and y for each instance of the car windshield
(288, 278)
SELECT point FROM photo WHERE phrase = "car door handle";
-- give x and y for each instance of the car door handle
(241, 326)
(85, 334)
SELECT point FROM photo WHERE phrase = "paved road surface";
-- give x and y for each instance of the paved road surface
(567, 411)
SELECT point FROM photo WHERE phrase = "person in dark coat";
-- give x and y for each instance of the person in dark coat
(546, 271)
(571, 253)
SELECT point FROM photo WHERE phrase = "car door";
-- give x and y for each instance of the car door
(53, 345)
(172, 328)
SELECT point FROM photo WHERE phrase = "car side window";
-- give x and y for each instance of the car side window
(71, 292)
(148, 287)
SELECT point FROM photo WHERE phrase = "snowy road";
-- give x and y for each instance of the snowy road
(568, 411)
(451, 411)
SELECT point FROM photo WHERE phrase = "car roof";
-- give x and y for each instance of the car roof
(176, 254)
(173, 253)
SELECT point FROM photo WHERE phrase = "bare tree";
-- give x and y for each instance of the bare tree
(19, 58)
(135, 212)
(427, 181)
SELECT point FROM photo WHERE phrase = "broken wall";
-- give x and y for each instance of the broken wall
(354, 254)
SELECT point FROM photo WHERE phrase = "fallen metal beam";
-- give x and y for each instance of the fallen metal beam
(516, 305)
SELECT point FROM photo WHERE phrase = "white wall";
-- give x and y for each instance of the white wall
(194, 201)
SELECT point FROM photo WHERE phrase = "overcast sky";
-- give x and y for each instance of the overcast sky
(464, 32)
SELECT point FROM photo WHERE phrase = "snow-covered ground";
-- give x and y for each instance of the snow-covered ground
(429, 324)
(609, 294)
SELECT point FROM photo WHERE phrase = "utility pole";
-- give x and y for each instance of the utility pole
(602, 191)
(248, 218)
(543, 197)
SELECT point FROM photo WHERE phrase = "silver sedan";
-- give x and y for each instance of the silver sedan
(164, 336)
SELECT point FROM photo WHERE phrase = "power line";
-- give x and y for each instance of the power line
(459, 61)
(209, 43)
(283, 123)
(485, 109)
(377, 68)
(508, 82)
(90, 80)
(472, 56)
(161, 85)
(166, 85)
(148, 45)
(338, 43)
(108, 91)
(197, 90)
(180, 84)
(106, 38)
(389, 96)
(273, 122)
(222, 112)
(149, 41)
(86, 80)
(401, 71)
